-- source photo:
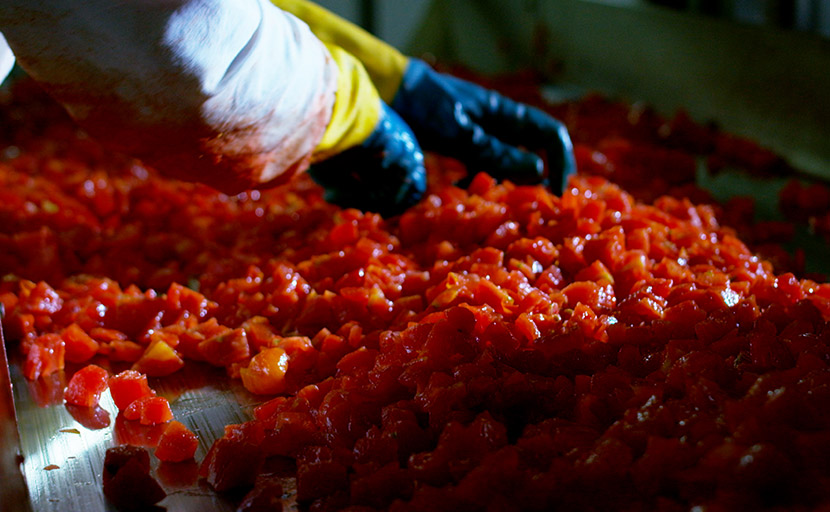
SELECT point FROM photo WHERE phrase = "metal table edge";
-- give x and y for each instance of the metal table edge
(14, 495)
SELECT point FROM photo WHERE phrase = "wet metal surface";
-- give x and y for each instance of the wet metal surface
(13, 494)
(63, 447)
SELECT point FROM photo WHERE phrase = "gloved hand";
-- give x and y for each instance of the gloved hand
(449, 115)
(483, 129)
(384, 174)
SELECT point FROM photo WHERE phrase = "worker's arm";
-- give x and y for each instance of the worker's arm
(6, 59)
(235, 94)
(232, 93)
(448, 115)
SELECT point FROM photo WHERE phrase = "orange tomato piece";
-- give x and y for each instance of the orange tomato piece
(158, 360)
(265, 375)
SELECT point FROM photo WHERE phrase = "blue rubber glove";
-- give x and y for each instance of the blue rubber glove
(385, 174)
(483, 129)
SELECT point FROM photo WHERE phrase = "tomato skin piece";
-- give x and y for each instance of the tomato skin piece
(127, 387)
(177, 443)
(86, 385)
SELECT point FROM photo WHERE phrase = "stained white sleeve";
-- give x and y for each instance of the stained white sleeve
(6, 59)
(232, 93)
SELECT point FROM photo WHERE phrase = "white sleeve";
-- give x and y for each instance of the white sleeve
(6, 59)
(232, 93)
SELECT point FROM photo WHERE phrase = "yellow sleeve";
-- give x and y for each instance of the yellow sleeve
(356, 107)
(384, 63)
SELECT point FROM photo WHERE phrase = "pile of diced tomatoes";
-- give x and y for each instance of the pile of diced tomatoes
(620, 347)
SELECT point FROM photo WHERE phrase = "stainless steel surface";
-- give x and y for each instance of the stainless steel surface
(64, 447)
(12, 486)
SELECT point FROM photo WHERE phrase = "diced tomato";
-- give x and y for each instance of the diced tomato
(182, 298)
(177, 443)
(266, 496)
(127, 481)
(149, 410)
(80, 347)
(86, 385)
(596, 296)
(39, 298)
(265, 374)
(319, 479)
(159, 359)
(631, 344)
(45, 357)
(122, 350)
(129, 386)
(225, 348)
(233, 461)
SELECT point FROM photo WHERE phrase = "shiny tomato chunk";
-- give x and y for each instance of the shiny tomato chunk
(159, 359)
(149, 410)
(80, 346)
(129, 386)
(177, 443)
(265, 375)
(225, 348)
(86, 385)
(45, 357)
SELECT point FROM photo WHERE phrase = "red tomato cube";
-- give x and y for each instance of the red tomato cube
(128, 386)
(86, 386)
(177, 443)
(45, 357)
(80, 346)
(149, 410)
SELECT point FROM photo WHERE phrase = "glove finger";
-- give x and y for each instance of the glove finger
(481, 151)
(533, 128)
(498, 114)
(520, 125)
(517, 123)
(543, 132)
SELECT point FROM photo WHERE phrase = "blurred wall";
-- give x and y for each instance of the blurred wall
(396, 21)
(769, 84)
